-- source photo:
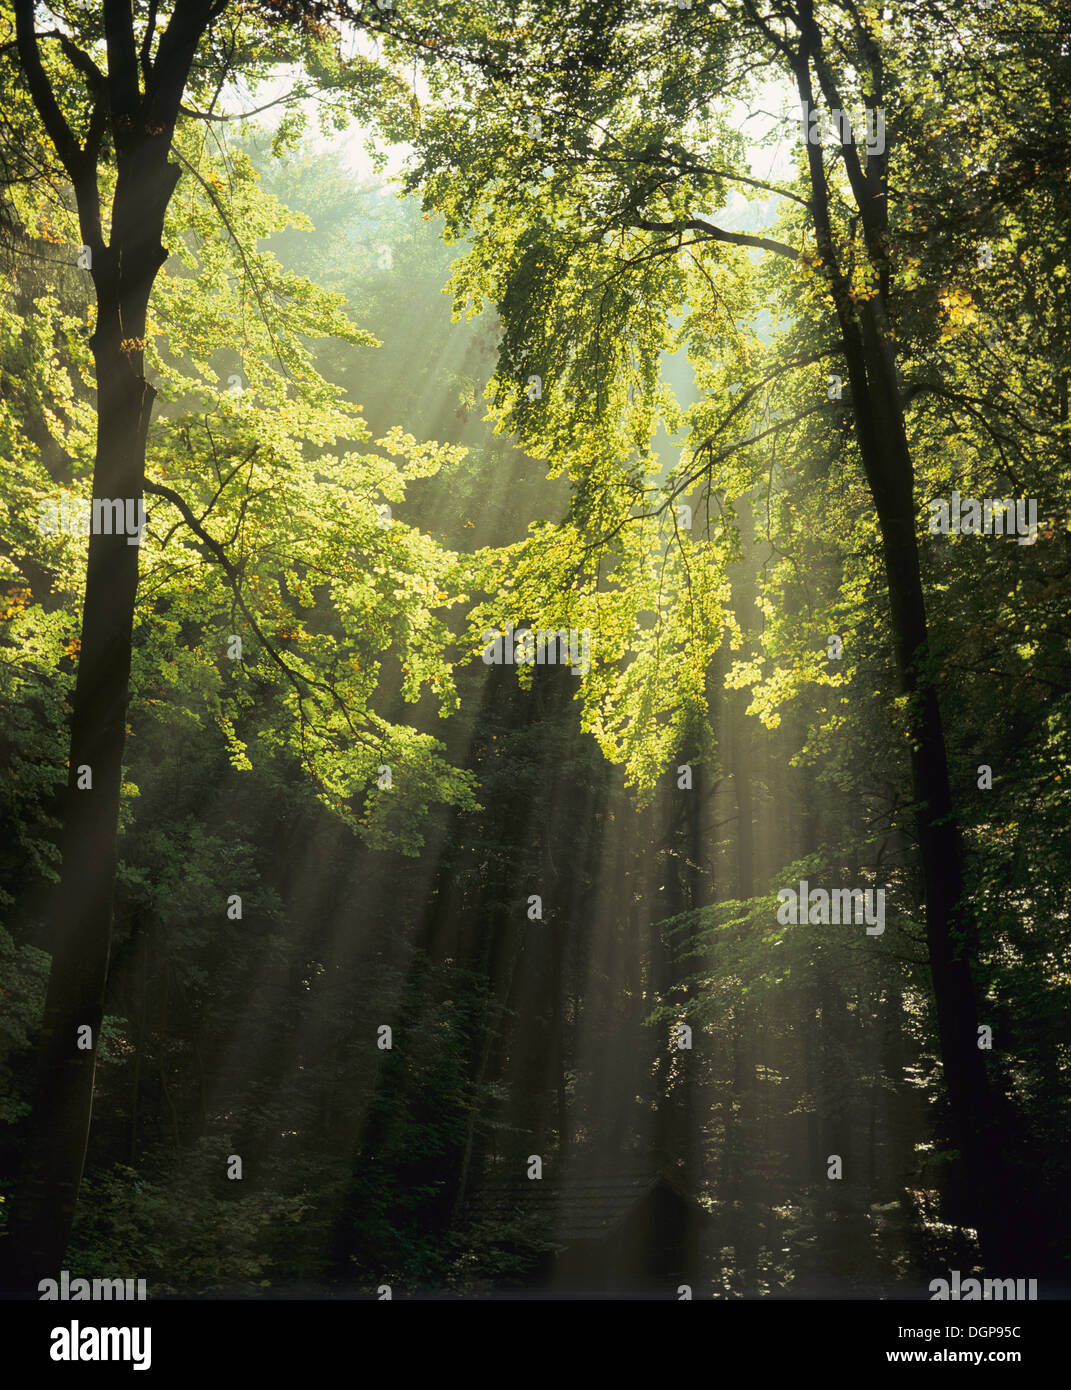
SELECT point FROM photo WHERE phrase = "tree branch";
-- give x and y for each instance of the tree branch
(123, 85)
(234, 583)
(712, 233)
(79, 165)
(59, 132)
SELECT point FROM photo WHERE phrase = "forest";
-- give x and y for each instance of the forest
(535, 648)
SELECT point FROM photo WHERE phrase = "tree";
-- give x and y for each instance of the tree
(111, 93)
(581, 152)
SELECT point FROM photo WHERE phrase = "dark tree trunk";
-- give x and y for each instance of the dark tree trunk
(123, 275)
(950, 929)
(882, 436)
(82, 914)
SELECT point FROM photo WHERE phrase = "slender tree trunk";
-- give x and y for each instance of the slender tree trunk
(877, 407)
(139, 125)
(82, 912)
(950, 928)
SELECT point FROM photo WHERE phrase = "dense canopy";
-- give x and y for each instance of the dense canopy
(535, 614)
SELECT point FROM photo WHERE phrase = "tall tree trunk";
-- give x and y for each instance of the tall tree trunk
(882, 436)
(881, 431)
(950, 928)
(141, 128)
(82, 914)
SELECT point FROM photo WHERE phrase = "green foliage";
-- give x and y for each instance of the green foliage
(25, 973)
(646, 362)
